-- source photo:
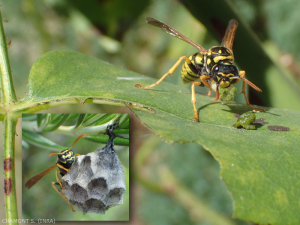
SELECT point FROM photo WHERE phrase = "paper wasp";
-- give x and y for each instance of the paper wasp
(63, 164)
(214, 67)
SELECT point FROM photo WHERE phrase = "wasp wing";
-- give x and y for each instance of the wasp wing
(230, 34)
(36, 178)
(174, 33)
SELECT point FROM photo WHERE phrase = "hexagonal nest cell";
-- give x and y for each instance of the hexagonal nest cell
(96, 181)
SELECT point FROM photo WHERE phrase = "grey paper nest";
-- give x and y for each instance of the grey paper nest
(95, 181)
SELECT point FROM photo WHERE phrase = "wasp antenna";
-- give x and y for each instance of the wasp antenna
(54, 153)
(251, 84)
(76, 141)
(60, 153)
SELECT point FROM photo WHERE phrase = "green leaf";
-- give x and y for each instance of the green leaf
(124, 121)
(56, 122)
(39, 119)
(100, 119)
(80, 120)
(40, 141)
(121, 131)
(73, 116)
(259, 166)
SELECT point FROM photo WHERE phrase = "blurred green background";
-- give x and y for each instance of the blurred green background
(115, 31)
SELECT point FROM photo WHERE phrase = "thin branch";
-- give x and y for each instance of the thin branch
(10, 195)
(8, 94)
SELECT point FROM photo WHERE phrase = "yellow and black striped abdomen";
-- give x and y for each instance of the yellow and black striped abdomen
(191, 71)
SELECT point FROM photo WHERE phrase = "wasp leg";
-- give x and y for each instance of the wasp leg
(53, 185)
(170, 72)
(196, 116)
(57, 177)
(203, 79)
(217, 91)
(242, 74)
(58, 181)
(217, 94)
(210, 89)
(60, 166)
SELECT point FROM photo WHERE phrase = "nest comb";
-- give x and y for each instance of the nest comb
(96, 181)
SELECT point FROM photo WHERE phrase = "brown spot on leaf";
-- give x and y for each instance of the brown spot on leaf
(278, 128)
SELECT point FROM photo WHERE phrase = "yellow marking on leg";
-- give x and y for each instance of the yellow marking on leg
(58, 181)
(170, 72)
(60, 166)
(196, 117)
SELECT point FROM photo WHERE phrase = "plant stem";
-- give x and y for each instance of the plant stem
(10, 196)
(8, 97)
(8, 94)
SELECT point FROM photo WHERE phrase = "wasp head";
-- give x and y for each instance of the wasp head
(66, 157)
(225, 75)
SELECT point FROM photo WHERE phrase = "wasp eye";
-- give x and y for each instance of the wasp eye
(216, 68)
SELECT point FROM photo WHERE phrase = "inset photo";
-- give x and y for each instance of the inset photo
(75, 167)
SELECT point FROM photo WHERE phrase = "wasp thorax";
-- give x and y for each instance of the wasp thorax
(218, 55)
(222, 51)
(221, 54)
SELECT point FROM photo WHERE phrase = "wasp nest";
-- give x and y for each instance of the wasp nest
(96, 181)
